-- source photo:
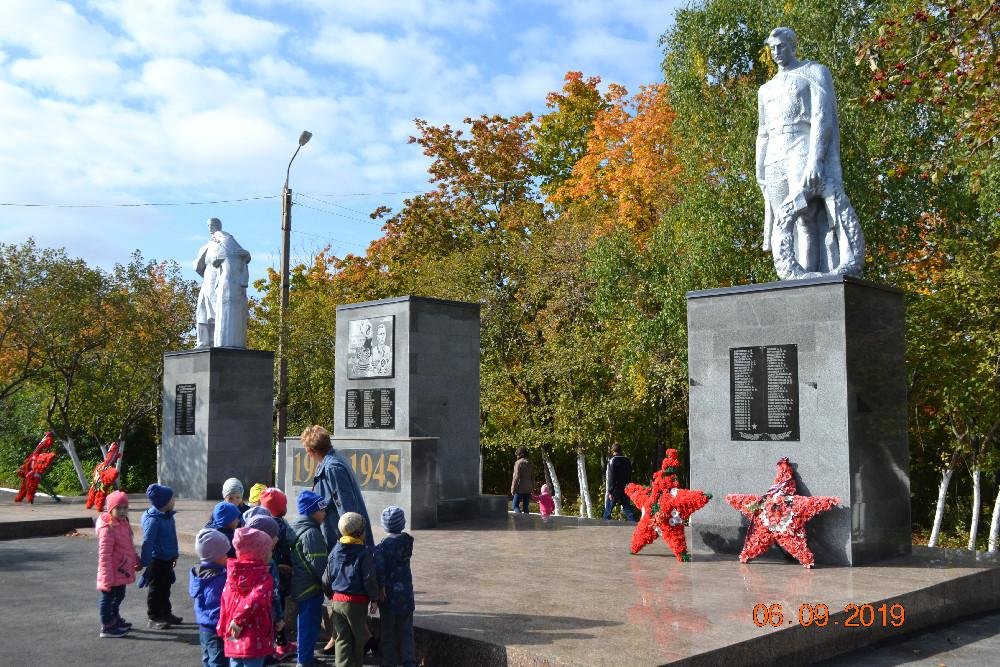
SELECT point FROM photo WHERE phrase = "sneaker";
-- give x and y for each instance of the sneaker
(173, 620)
(113, 631)
(123, 624)
(159, 623)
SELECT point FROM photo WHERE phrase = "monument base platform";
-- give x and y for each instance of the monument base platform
(521, 591)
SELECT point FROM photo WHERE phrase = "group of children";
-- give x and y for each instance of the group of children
(252, 565)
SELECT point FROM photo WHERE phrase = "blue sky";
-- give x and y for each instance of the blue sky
(164, 101)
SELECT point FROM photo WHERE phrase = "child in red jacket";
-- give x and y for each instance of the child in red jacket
(246, 618)
(117, 562)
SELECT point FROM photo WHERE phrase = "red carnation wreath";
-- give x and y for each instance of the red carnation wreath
(665, 508)
(779, 516)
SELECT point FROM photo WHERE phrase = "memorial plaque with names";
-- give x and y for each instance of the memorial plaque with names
(352, 409)
(764, 392)
(184, 404)
(370, 408)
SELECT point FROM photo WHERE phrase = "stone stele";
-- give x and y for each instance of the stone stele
(809, 224)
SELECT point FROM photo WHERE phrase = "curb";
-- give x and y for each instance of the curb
(19, 530)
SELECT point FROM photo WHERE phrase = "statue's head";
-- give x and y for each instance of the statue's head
(782, 42)
(214, 225)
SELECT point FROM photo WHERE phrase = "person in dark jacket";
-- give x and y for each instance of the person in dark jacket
(226, 519)
(618, 476)
(309, 557)
(351, 582)
(522, 483)
(159, 555)
(275, 502)
(392, 566)
(205, 585)
(334, 480)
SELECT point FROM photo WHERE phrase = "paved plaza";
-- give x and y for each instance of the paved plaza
(517, 591)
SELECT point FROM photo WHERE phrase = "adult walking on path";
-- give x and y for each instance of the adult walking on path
(521, 485)
(619, 474)
(334, 481)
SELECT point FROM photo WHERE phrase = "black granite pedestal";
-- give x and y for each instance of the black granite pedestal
(217, 409)
(812, 370)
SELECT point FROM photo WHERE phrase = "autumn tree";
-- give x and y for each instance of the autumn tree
(121, 386)
(22, 268)
(942, 58)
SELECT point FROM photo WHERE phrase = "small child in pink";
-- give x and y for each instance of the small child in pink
(246, 620)
(546, 505)
(117, 562)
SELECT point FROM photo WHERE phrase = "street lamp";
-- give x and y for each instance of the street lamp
(286, 232)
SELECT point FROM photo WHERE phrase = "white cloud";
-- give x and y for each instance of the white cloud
(76, 78)
(47, 28)
(183, 85)
(399, 60)
(279, 74)
(190, 28)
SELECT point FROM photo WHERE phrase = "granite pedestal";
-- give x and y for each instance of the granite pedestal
(217, 408)
(830, 353)
(406, 412)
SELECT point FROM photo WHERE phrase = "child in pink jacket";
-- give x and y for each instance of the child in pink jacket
(246, 617)
(546, 504)
(117, 562)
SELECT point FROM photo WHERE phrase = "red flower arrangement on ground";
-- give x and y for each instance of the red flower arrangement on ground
(104, 478)
(31, 471)
(665, 508)
(779, 516)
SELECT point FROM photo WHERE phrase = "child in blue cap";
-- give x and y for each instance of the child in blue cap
(226, 518)
(392, 564)
(159, 555)
(308, 565)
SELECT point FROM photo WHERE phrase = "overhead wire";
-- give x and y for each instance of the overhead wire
(141, 204)
(330, 203)
(237, 200)
(334, 213)
(330, 239)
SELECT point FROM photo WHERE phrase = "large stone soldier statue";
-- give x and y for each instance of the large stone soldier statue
(221, 315)
(809, 224)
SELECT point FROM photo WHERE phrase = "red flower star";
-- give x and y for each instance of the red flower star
(665, 508)
(779, 516)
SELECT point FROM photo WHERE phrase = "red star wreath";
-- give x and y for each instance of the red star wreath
(36, 465)
(779, 516)
(103, 479)
(665, 508)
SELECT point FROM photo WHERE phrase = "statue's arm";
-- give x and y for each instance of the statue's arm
(821, 123)
(199, 263)
(761, 138)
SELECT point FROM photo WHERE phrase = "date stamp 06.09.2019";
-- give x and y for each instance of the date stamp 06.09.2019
(882, 615)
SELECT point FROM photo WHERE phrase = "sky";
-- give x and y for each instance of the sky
(111, 102)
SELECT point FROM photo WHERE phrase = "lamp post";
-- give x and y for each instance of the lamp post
(286, 232)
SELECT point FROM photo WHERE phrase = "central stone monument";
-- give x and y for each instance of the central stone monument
(812, 367)
(218, 398)
(406, 410)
